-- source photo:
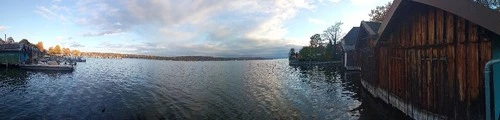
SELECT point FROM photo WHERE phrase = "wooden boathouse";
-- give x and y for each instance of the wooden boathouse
(348, 47)
(16, 53)
(365, 44)
(429, 58)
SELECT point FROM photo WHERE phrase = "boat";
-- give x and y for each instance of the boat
(47, 67)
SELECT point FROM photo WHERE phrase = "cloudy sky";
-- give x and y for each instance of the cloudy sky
(227, 28)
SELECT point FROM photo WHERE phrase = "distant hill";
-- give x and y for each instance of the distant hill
(177, 58)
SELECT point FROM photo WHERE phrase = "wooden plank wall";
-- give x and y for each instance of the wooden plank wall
(433, 60)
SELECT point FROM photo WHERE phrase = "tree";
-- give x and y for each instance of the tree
(10, 40)
(492, 4)
(332, 33)
(51, 50)
(380, 12)
(57, 49)
(75, 52)
(39, 45)
(66, 51)
(306, 53)
(291, 53)
(315, 40)
(25, 41)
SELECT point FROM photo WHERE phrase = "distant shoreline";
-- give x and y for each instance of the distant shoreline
(177, 58)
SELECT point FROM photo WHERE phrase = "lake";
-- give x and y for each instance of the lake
(156, 89)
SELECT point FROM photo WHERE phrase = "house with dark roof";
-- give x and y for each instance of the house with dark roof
(17, 53)
(348, 44)
(430, 58)
(365, 48)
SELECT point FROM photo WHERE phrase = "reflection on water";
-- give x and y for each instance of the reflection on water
(153, 89)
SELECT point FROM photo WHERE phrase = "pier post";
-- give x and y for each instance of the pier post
(490, 113)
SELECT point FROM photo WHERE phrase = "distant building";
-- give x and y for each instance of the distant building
(365, 48)
(348, 43)
(19, 53)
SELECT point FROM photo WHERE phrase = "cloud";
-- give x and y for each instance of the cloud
(325, 2)
(364, 2)
(75, 45)
(2, 28)
(316, 21)
(109, 32)
(194, 27)
(50, 14)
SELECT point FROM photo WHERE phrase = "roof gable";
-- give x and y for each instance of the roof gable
(370, 27)
(350, 38)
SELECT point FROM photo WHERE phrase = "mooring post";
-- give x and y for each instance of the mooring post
(490, 115)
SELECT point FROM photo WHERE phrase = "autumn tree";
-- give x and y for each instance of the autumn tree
(380, 12)
(75, 53)
(51, 50)
(57, 49)
(315, 40)
(66, 51)
(39, 45)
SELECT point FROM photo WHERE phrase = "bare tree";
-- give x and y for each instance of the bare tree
(333, 32)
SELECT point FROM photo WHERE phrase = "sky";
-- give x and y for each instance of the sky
(223, 28)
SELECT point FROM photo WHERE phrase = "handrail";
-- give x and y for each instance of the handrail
(487, 81)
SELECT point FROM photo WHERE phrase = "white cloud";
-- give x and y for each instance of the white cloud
(49, 14)
(326, 2)
(316, 21)
(211, 27)
(2, 28)
(364, 2)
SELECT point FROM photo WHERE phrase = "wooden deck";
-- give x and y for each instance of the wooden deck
(396, 102)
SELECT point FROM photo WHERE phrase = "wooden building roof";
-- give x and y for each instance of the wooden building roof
(466, 9)
(350, 38)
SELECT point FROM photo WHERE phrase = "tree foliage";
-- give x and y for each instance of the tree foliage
(39, 45)
(492, 4)
(57, 49)
(25, 41)
(315, 40)
(10, 40)
(291, 53)
(66, 51)
(380, 12)
(76, 53)
(51, 50)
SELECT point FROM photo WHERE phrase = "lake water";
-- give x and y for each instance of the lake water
(155, 89)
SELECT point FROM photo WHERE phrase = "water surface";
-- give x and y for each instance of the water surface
(155, 89)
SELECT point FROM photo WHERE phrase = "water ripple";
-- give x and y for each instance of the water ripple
(153, 89)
